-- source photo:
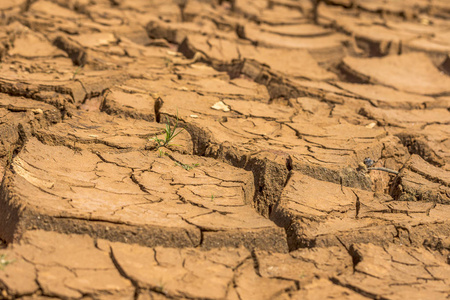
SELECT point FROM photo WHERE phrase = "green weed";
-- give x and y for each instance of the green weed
(161, 288)
(75, 73)
(167, 62)
(161, 153)
(187, 167)
(169, 134)
(10, 156)
(4, 262)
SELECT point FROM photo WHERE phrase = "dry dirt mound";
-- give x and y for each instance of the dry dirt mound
(310, 154)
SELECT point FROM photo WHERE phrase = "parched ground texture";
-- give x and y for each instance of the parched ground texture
(312, 160)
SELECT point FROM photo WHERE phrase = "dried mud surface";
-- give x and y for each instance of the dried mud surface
(311, 159)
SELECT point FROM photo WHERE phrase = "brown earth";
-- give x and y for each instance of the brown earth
(312, 160)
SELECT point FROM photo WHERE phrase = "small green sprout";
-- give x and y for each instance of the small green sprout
(4, 262)
(75, 73)
(167, 62)
(170, 134)
(10, 156)
(161, 153)
(187, 167)
(161, 288)
(212, 197)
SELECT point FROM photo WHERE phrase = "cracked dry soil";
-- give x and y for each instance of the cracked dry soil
(264, 194)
